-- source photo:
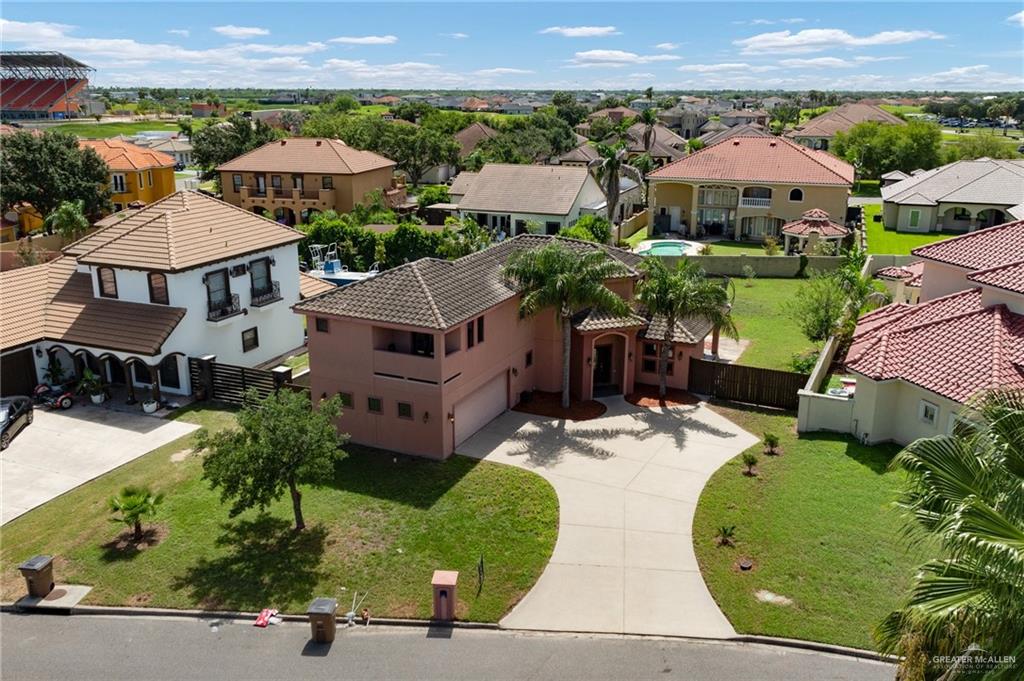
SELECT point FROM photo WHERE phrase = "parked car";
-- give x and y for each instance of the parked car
(16, 414)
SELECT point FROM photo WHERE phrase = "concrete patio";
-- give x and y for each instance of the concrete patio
(627, 484)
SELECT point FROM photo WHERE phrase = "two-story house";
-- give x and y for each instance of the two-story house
(425, 354)
(747, 188)
(187, 276)
(137, 174)
(296, 177)
(818, 132)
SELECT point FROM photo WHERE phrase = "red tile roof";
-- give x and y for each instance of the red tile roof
(771, 160)
(910, 274)
(1009, 277)
(990, 247)
(951, 346)
(125, 156)
(815, 220)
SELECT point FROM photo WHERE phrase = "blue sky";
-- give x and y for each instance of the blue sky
(795, 46)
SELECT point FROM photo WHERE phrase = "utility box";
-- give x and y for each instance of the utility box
(444, 583)
(323, 621)
(38, 573)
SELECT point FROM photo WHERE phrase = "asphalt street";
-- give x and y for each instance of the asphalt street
(142, 648)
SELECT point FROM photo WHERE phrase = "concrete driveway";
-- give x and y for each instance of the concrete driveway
(63, 449)
(627, 486)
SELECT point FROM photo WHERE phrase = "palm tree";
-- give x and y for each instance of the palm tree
(649, 119)
(68, 219)
(569, 281)
(649, 93)
(677, 295)
(963, 491)
(131, 505)
(607, 170)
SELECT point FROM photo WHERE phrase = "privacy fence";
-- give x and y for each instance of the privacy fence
(753, 385)
(229, 383)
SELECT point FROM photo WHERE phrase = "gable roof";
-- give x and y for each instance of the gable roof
(584, 153)
(462, 182)
(472, 135)
(1009, 276)
(124, 156)
(619, 111)
(439, 294)
(744, 130)
(984, 180)
(662, 134)
(307, 155)
(985, 248)
(180, 231)
(511, 188)
(842, 118)
(771, 160)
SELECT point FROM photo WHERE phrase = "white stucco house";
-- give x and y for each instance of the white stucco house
(186, 276)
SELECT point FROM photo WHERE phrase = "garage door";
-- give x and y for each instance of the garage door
(17, 373)
(484, 405)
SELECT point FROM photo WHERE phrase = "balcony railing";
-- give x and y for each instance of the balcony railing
(266, 295)
(217, 310)
(748, 202)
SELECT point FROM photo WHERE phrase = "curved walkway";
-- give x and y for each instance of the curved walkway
(627, 484)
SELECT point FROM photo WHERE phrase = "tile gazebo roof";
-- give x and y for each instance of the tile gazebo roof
(815, 221)
(910, 274)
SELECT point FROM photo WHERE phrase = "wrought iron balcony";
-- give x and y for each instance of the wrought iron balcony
(266, 295)
(217, 310)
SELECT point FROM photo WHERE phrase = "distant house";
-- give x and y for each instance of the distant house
(179, 148)
(719, 135)
(580, 156)
(388, 100)
(817, 133)
(684, 120)
(642, 103)
(474, 104)
(666, 146)
(614, 114)
(204, 110)
(471, 136)
(745, 117)
(892, 177)
(770, 103)
(516, 108)
(961, 196)
(137, 174)
(289, 120)
(747, 188)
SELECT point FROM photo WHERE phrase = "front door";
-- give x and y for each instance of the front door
(602, 365)
(261, 184)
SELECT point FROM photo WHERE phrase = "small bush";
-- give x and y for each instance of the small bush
(749, 273)
(706, 249)
(750, 460)
(771, 443)
(770, 246)
(803, 362)
(726, 535)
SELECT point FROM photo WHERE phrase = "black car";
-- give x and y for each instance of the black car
(15, 415)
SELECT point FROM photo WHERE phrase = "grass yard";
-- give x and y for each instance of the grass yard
(298, 362)
(903, 108)
(383, 526)
(635, 239)
(729, 247)
(819, 524)
(867, 188)
(882, 240)
(761, 318)
(105, 130)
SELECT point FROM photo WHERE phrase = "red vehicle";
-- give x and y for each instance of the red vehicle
(54, 396)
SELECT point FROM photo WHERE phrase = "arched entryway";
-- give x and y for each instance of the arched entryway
(308, 214)
(990, 217)
(608, 365)
(285, 216)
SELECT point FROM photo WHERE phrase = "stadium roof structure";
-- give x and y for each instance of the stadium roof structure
(42, 65)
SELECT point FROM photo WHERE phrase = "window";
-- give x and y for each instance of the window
(236, 182)
(650, 359)
(327, 182)
(297, 182)
(551, 228)
(217, 289)
(158, 289)
(961, 214)
(529, 358)
(117, 183)
(322, 325)
(717, 196)
(139, 177)
(250, 339)
(149, 177)
(169, 376)
(470, 335)
(346, 400)
(275, 181)
(374, 405)
(927, 412)
(108, 282)
(404, 410)
(796, 194)
(480, 330)
(259, 273)
(423, 344)
(915, 218)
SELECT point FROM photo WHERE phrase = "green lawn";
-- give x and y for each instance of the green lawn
(903, 108)
(635, 239)
(105, 130)
(298, 362)
(819, 524)
(761, 318)
(867, 188)
(382, 526)
(882, 240)
(729, 247)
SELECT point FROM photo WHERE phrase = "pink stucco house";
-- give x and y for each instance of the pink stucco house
(425, 354)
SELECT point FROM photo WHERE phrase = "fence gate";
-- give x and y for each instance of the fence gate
(754, 385)
(229, 383)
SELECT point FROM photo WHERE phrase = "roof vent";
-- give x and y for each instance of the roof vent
(771, 144)
(319, 142)
(735, 143)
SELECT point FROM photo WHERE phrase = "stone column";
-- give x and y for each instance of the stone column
(154, 369)
(129, 382)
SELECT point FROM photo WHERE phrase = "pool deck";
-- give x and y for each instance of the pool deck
(687, 247)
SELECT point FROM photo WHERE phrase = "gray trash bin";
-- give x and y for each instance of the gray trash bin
(38, 573)
(323, 619)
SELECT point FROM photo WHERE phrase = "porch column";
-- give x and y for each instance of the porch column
(785, 248)
(129, 382)
(974, 223)
(715, 337)
(155, 371)
(693, 228)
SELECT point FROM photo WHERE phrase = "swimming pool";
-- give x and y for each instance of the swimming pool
(668, 247)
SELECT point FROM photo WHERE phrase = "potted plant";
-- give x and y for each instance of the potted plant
(150, 405)
(92, 385)
(54, 373)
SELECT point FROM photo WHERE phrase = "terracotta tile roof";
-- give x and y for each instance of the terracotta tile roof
(511, 188)
(990, 247)
(620, 111)
(55, 302)
(472, 135)
(180, 231)
(6, 129)
(843, 118)
(1009, 276)
(439, 294)
(984, 180)
(593, 320)
(310, 286)
(307, 155)
(688, 330)
(771, 160)
(910, 274)
(124, 156)
(951, 346)
(815, 220)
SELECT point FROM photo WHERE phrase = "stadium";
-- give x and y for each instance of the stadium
(41, 85)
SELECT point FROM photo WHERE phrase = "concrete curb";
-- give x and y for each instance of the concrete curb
(816, 647)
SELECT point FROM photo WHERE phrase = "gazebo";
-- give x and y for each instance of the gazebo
(812, 227)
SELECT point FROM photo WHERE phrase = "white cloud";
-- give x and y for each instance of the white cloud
(501, 71)
(640, 76)
(183, 32)
(365, 40)
(1017, 19)
(818, 39)
(582, 31)
(667, 46)
(615, 58)
(769, 22)
(397, 75)
(240, 32)
(455, 36)
(729, 67)
(832, 62)
(976, 77)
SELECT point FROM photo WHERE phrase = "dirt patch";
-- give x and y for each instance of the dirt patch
(647, 396)
(126, 544)
(178, 457)
(140, 600)
(550, 405)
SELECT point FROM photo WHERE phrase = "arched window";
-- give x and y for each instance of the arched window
(158, 289)
(796, 194)
(108, 282)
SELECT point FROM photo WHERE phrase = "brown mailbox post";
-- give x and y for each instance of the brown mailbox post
(322, 619)
(444, 582)
(38, 573)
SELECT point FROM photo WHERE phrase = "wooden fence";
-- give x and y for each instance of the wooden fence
(229, 383)
(753, 385)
